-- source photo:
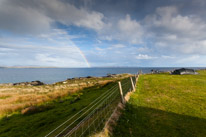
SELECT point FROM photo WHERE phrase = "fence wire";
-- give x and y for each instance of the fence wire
(92, 118)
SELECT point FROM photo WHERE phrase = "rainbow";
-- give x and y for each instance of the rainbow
(83, 56)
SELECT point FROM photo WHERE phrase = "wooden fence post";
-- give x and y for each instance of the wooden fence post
(121, 93)
(132, 84)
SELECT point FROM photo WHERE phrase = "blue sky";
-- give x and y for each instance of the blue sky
(96, 33)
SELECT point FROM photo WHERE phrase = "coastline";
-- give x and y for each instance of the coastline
(19, 96)
(39, 83)
(55, 75)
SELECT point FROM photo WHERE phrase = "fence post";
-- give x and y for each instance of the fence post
(132, 83)
(137, 77)
(121, 93)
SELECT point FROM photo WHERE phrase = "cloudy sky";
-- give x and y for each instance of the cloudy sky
(99, 33)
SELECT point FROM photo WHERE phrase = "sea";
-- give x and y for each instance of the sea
(52, 75)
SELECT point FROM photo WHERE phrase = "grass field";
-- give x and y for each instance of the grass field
(165, 106)
(16, 98)
(38, 124)
(44, 117)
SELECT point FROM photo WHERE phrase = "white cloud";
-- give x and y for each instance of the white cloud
(91, 20)
(56, 49)
(117, 46)
(192, 60)
(168, 19)
(99, 49)
(144, 56)
(54, 59)
(124, 30)
(130, 30)
(46, 58)
(191, 47)
(167, 57)
(176, 33)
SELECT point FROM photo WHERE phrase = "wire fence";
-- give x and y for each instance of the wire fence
(93, 117)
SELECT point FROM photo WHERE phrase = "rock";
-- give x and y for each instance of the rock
(89, 77)
(36, 83)
(111, 75)
(75, 78)
(33, 83)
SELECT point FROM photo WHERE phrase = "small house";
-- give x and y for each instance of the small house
(184, 71)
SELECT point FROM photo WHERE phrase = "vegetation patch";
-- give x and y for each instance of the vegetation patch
(39, 120)
(35, 109)
(14, 98)
(4, 96)
(165, 106)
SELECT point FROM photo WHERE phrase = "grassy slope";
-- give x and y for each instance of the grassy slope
(39, 124)
(16, 98)
(166, 105)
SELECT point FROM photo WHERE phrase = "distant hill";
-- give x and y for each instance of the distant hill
(28, 67)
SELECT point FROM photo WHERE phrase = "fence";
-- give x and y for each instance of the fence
(92, 118)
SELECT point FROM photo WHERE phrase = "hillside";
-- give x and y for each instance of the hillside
(36, 110)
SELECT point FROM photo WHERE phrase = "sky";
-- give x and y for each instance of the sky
(103, 33)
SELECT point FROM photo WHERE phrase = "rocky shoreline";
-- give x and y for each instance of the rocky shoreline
(39, 83)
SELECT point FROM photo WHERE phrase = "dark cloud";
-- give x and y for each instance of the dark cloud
(24, 16)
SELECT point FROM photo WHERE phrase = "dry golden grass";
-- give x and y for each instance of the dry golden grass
(16, 98)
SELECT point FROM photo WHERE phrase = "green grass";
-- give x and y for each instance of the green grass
(4, 97)
(46, 118)
(14, 98)
(165, 106)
